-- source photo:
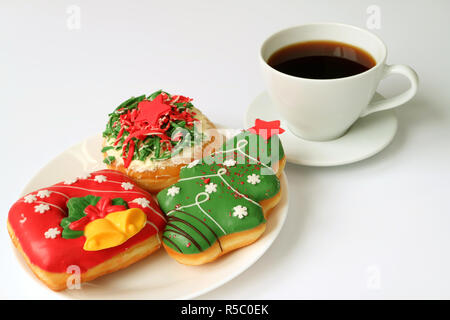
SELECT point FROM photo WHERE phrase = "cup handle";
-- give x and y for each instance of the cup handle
(399, 99)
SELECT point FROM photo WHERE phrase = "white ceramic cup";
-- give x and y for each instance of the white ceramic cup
(321, 110)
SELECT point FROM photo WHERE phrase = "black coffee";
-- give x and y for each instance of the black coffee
(321, 60)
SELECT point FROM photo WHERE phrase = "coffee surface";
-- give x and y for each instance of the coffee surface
(321, 60)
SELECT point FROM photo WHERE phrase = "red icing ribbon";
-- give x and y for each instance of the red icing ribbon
(100, 210)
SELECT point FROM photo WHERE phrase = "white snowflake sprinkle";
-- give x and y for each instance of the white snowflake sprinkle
(44, 194)
(193, 164)
(84, 176)
(127, 185)
(23, 218)
(70, 181)
(52, 233)
(29, 198)
(41, 208)
(240, 211)
(100, 178)
(253, 179)
(211, 187)
(229, 163)
(174, 190)
(144, 203)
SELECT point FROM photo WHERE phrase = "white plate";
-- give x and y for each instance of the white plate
(158, 276)
(368, 136)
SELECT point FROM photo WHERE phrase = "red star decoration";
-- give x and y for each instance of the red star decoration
(266, 129)
(151, 111)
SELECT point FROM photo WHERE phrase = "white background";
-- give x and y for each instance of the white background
(379, 228)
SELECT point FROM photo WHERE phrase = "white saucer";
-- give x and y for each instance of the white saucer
(368, 136)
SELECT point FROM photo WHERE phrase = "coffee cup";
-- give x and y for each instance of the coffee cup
(324, 109)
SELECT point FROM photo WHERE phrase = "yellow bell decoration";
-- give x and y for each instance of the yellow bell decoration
(114, 229)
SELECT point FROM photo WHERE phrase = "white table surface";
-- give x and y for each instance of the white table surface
(379, 228)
